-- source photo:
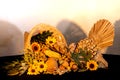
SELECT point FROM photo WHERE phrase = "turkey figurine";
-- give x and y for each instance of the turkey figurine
(88, 52)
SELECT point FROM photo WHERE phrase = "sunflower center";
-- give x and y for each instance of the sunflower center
(91, 65)
(33, 70)
(35, 48)
(41, 66)
(50, 41)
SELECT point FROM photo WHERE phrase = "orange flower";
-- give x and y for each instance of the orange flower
(35, 47)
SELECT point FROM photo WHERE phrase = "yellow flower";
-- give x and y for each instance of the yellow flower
(35, 47)
(41, 66)
(32, 70)
(50, 41)
(92, 65)
(35, 62)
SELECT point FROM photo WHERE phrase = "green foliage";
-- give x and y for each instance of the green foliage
(41, 38)
(82, 56)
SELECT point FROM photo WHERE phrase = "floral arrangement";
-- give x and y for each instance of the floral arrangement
(46, 51)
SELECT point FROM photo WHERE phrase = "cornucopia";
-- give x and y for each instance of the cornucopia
(46, 51)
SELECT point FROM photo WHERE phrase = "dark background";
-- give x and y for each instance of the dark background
(111, 73)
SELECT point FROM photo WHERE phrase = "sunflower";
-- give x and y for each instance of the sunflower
(41, 66)
(32, 70)
(92, 65)
(35, 62)
(35, 47)
(73, 66)
(50, 41)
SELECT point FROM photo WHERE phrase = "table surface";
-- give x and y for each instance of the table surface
(112, 73)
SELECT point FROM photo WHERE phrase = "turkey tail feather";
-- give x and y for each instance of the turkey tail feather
(102, 33)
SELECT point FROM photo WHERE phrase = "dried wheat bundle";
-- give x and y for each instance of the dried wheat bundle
(103, 33)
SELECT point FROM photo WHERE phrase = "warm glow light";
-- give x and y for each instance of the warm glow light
(26, 13)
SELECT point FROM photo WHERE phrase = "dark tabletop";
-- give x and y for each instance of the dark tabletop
(112, 73)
